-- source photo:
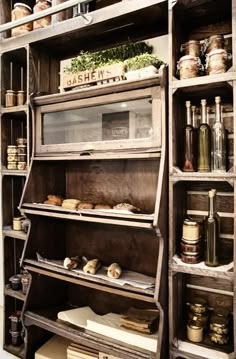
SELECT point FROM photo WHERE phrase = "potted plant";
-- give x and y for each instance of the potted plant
(142, 66)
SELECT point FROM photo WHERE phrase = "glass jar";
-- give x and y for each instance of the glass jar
(15, 282)
(21, 166)
(12, 158)
(194, 331)
(12, 165)
(21, 149)
(192, 47)
(202, 318)
(218, 338)
(21, 10)
(212, 43)
(11, 149)
(25, 282)
(189, 67)
(219, 325)
(191, 230)
(190, 258)
(189, 248)
(15, 319)
(216, 62)
(44, 21)
(17, 223)
(20, 98)
(10, 98)
(199, 305)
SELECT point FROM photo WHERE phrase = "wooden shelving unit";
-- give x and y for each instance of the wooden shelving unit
(137, 173)
(188, 191)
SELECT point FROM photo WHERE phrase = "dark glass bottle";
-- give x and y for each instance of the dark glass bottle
(218, 150)
(212, 226)
(189, 142)
(204, 141)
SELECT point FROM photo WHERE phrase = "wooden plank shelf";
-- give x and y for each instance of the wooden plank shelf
(227, 275)
(14, 293)
(197, 176)
(14, 234)
(47, 319)
(98, 156)
(16, 110)
(132, 220)
(6, 172)
(128, 291)
(18, 351)
(176, 353)
(128, 16)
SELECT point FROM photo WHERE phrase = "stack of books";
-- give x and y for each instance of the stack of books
(141, 320)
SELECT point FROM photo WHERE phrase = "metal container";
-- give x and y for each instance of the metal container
(189, 67)
(216, 62)
(44, 21)
(21, 10)
(191, 47)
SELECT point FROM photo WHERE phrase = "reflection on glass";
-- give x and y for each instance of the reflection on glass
(108, 122)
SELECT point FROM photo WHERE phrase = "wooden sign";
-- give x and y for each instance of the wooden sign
(97, 76)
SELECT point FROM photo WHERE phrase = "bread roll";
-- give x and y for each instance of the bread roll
(71, 200)
(53, 203)
(70, 203)
(114, 271)
(85, 205)
(57, 199)
(92, 266)
(71, 263)
(102, 206)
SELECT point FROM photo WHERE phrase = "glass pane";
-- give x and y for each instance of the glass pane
(110, 122)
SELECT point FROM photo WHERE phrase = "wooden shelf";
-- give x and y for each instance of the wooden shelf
(189, 355)
(133, 220)
(15, 234)
(14, 110)
(127, 21)
(6, 172)
(210, 81)
(14, 293)
(98, 156)
(197, 176)
(128, 291)
(47, 319)
(18, 351)
(227, 275)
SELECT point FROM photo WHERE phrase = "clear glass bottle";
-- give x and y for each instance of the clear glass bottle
(218, 150)
(204, 141)
(212, 226)
(189, 142)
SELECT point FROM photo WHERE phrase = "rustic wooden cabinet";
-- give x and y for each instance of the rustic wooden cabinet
(188, 192)
(130, 168)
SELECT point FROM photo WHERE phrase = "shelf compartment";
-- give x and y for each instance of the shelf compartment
(14, 234)
(89, 281)
(72, 238)
(118, 181)
(14, 293)
(217, 291)
(57, 296)
(127, 19)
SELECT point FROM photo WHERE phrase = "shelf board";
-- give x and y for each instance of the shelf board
(117, 21)
(18, 351)
(14, 293)
(127, 291)
(15, 234)
(178, 175)
(6, 172)
(227, 275)
(98, 216)
(47, 319)
(208, 80)
(14, 110)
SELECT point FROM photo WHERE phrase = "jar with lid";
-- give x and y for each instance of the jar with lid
(15, 282)
(219, 325)
(203, 318)
(11, 149)
(189, 67)
(25, 279)
(16, 338)
(21, 149)
(217, 62)
(212, 43)
(17, 223)
(218, 338)
(10, 98)
(21, 10)
(20, 98)
(15, 319)
(44, 21)
(191, 47)
(191, 230)
(195, 331)
(199, 305)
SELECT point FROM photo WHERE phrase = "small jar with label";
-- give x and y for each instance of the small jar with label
(189, 67)
(191, 230)
(17, 223)
(219, 325)
(195, 331)
(12, 165)
(21, 166)
(218, 338)
(10, 98)
(15, 282)
(11, 149)
(39, 6)
(20, 98)
(12, 158)
(216, 62)
(21, 149)
(21, 10)
(21, 157)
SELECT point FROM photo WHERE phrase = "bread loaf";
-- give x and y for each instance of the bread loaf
(92, 266)
(85, 205)
(114, 271)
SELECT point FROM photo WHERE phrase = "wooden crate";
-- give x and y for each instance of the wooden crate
(91, 77)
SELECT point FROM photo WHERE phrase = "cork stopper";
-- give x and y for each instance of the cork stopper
(203, 102)
(188, 103)
(217, 99)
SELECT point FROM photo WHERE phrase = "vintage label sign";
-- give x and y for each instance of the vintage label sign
(93, 76)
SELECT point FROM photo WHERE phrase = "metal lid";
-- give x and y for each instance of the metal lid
(221, 312)
(220, 322)
(199, 302)
(189, 222)
(22, 4)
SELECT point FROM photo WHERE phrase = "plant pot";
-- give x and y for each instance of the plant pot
(139, 74)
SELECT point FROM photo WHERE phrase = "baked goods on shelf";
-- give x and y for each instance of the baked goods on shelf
(102, 206)
(92, 266)
(126, 207)
(70, 203)
(71, 262)
(54, 200)
(114, 271)
(85, 205)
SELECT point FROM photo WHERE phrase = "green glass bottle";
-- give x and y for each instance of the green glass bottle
(204, 141)
(212, 226)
